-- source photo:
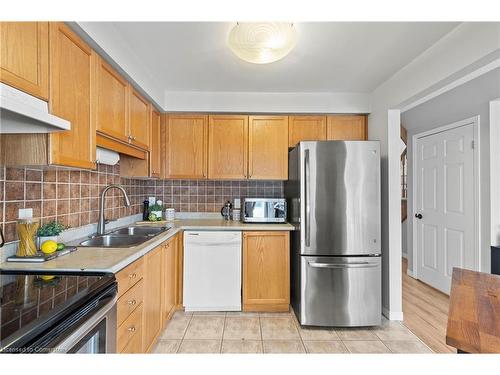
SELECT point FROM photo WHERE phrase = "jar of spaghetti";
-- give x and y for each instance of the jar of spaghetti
(26, 230)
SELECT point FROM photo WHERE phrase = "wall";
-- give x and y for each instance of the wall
(495, 171)
(468, 100)
(72, 196)
(469, 46)
(268, 102)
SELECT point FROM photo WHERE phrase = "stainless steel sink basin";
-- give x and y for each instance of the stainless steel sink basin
(140, 231)
(115, 240)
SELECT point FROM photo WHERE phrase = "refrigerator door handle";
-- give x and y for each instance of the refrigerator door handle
(342, 265)
(307, 196)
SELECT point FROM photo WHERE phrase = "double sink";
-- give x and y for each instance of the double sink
(125, 237)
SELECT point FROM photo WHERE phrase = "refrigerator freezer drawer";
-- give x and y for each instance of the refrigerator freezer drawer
(340, 291)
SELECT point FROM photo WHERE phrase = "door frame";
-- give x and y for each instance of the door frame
(477, 178)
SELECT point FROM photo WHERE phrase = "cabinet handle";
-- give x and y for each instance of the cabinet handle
(132, 275)
(131, 329)
(132, 302)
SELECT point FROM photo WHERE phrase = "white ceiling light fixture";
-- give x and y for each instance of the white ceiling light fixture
(262, 43)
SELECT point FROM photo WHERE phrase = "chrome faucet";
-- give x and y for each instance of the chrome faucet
(101, 223)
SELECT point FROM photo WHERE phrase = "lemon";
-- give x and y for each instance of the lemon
(47, 277)
(48, 247)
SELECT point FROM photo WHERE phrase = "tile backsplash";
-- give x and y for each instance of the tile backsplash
(71, 196)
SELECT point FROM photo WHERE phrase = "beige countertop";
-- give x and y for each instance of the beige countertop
(94, 259)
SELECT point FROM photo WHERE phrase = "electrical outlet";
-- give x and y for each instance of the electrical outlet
(25, 213)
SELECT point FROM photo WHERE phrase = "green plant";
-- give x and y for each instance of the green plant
(53, 228)
(155, 207)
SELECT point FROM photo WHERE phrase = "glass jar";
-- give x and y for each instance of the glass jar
(26, 230)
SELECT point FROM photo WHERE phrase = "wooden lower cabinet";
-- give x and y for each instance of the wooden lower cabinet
(129, 337)
(266, 271)
(152, 317)
(129, 308)
(147, 298)
(169, 278)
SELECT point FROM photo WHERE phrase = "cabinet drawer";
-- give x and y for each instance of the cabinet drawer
(134, 346)
(128, 302)
(129, 276)
(130, 331)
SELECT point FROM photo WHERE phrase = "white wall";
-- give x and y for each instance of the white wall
(495, 170)
(108, 42)
(468, 45)
(404, 238)
(468, 100)
(297, 102)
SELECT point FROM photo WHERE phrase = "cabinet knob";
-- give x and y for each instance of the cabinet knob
(132, 302)
(132, 275)
(131, 329)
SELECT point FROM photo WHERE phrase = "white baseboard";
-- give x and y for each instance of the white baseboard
(410, 273)
(392, 315)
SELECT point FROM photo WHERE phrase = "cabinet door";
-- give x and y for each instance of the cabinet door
(266, 271)
(71, 81)
(169, 278)
(155, 153)
(152, 321)
(306, 128)
(24, 56)
(186, 146)
(347, 128)
(227, 147)
(112, 102)
(268, 148)
(139, 117)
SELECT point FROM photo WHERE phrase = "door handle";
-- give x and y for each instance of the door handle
(307, 198)
(343, 265)
(418, 216)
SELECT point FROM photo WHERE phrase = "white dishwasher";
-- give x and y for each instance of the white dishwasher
(212, 271)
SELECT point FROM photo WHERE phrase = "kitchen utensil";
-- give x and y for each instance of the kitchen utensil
(226, 210)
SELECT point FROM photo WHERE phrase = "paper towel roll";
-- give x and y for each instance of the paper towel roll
(108, 157)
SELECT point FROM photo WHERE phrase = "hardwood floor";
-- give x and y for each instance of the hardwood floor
(425, 312)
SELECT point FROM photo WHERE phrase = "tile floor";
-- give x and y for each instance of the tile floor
(278, 333)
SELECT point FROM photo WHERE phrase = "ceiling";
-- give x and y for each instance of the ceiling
(328, 57)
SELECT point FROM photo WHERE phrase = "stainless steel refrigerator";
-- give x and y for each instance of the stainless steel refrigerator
(333, 196)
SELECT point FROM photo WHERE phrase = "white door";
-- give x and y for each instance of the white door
(445, 205)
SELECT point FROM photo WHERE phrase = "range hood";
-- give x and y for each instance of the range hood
(21, 113)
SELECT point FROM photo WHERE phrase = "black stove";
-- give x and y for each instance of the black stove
(39, 311)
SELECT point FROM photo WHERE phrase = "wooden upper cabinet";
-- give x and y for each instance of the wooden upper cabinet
(112, 102)
(266, 271)
(155, 154)
(306, 128)
(347, 128)
(139, 120)
(185, 140)
(268, 148)
(152, 317)
(24, 56)
(227, 146)
(71, 97)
